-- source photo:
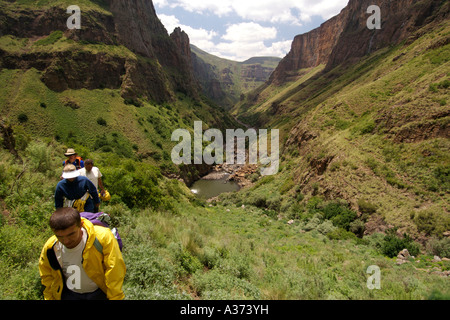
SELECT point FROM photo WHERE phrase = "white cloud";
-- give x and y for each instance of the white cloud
(248, 38)
(284, 11)
(240, 42)
(249, 32)
(200, 37)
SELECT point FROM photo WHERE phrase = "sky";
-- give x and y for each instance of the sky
(241, 29)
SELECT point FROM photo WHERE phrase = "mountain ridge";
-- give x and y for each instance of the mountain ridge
(345, 37)
(224, 80)
(365, 126)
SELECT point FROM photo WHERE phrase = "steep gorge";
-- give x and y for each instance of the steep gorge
(363, 115)
(345, 38)
(131, 24)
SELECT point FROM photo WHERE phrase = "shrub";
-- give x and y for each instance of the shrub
(313, 223)
(358, 227)
(366, 207)
(188, 262)
(339, 214)
(257, 200)
(101, 122)
(392, 244)
(40, 156)
(149, 276)
(138, 189)
(368, 128)
(341, 234)
(22, 118)
(432, 222)
(438, 247)
(326, 227)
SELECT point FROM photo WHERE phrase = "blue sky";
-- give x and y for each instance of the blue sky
(241, 29)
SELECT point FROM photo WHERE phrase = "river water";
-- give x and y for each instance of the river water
(206, 189)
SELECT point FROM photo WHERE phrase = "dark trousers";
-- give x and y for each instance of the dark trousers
(68, 294)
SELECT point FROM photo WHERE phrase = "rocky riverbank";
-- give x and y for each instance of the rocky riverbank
(241, 174)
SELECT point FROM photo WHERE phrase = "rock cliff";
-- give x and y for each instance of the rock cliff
(346, 38)
(159, 71)
(310, 49)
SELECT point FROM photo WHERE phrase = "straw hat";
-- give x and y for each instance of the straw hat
(70, 172)
(70, 152)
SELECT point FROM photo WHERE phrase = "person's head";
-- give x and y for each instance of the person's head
(70, 172)
(88, 165)
(71, 155)
(66, 225)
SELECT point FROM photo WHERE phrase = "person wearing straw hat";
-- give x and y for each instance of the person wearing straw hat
(76, 191)
(72, 158)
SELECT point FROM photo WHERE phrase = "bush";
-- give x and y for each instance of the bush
(366, 207)
(438, 247)
(101, 122)
(340, 214)
(432, 222)
(22, 118)
(358, 227)
(392, 245)
(40, 156)
(341, 234)
(257, 200)
(326, 227)
(138, 189)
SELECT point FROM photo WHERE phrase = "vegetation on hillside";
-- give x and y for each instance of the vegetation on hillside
(376, 132)
(364, 174)
(179, 247)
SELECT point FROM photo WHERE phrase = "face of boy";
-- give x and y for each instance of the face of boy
(69, 237)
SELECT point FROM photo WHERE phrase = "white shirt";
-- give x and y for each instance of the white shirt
(93, 175)
(77, 279)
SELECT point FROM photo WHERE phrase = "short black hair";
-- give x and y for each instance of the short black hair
(64, 218)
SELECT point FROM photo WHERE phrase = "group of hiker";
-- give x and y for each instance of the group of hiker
(83, 259)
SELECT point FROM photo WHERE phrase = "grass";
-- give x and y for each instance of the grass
(242, 246)
(192, 250)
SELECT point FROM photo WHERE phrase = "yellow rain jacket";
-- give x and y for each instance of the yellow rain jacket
(107, 270)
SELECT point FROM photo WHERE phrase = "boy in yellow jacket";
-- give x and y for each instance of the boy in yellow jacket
(81, 261)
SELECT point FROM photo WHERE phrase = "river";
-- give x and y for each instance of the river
(206, 189)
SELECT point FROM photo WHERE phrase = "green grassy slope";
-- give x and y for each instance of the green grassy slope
(95, 119)
(348, 166)
(377, 131)
(176, 247)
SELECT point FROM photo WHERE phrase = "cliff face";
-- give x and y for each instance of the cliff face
(399, 20)
(345, 38)
(310, 49)
(159, 71)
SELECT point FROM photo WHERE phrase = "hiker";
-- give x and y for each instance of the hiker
(93, 173)
(79, 192)
(73, 267)
(72, 158)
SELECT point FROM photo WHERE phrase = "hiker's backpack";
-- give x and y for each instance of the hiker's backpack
(77, 163)
(102, 219)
